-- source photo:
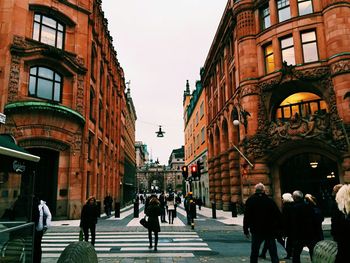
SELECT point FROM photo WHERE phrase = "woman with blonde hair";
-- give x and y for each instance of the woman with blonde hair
(88, 219)
(341, 224)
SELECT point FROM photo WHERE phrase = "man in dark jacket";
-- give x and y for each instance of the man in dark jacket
(302, 226)
(262, 219)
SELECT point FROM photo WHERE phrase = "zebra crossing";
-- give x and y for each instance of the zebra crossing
(129, 244)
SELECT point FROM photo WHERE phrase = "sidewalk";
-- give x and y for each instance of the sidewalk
(226, 217)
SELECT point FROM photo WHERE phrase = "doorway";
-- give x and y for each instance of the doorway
(313, 174)
(46, 176)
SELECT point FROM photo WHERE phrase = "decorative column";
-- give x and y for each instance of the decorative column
(217, 178)
(225, 181)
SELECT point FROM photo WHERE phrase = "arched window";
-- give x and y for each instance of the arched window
(47, 30)
(45, 83)
(302, 104)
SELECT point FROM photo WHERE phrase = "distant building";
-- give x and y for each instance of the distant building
(128, 152)
(174, 172)
(142, 155)
(196, 146)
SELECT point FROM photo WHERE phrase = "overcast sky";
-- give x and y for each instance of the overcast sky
(160, 44)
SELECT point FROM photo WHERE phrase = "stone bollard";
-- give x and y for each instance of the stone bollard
(325, 252)
(78, 252)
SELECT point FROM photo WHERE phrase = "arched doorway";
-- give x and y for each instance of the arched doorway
(311, 173)
(46, 176)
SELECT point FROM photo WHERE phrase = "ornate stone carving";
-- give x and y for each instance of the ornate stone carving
(250, 90)
(340, 67)
(325, 127)
(80, 95)
(42, 142)
(14, 79)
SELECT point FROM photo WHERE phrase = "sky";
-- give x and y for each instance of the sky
(160, 44)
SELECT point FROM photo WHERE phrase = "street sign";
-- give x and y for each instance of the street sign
(2, 118)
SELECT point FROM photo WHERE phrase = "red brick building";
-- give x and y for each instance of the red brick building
(281, 69)
(62, 90)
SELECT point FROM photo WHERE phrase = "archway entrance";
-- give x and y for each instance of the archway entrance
(310, 173)
(46, 176)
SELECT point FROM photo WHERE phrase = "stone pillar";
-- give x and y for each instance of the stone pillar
(225, 181)
(211, 179)
(235, 180)
(217, 178)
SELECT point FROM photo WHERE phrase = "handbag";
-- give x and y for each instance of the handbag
(144, 222)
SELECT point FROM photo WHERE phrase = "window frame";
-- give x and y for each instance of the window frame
(264, 15)
(301, 2)
(56, 29)
(266, 56)
(35, 95)
(309, 42)
(288, 47)
(283, 6)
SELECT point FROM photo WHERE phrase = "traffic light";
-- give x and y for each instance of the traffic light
(185, 171)
(199, 167)
(194, 170)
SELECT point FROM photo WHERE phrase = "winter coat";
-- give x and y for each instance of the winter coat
(303, 222)
(262, 216)
(287, 218)
(44, 212)
(153, 212)
(89, 215)
(340, 230)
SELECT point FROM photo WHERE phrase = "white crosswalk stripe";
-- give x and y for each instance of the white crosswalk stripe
(129, 244)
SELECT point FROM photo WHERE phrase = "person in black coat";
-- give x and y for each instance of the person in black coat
(153, 211)
(340, 228)
(302, 226)
(262, 219)
(88, 219)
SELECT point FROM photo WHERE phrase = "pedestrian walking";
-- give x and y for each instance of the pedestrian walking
(262, 219)
(162, 204)
(107, 202)
(317, 216)
(302, 226)
(171, 208)
(41, 216)
(285, 239)
(153, 212)
(188, 203)
(88, 220)
(340, 228)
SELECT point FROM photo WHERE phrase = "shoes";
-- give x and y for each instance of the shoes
(149, 246)
(155, 248)
(262, 256)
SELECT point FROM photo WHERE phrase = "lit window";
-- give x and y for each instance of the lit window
(48, 31)
(265, 17)
(45, 83)
(283, 10)
(287, 48)
(302, 104)
(305, 7)
(308, 41)
(269, 59)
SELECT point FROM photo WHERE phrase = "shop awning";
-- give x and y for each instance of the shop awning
(9, 148)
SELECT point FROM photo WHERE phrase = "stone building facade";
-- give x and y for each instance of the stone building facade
(196, 143)
(281, 70)
(62, 90)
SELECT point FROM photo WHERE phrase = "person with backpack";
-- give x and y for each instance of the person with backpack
(41, 216)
